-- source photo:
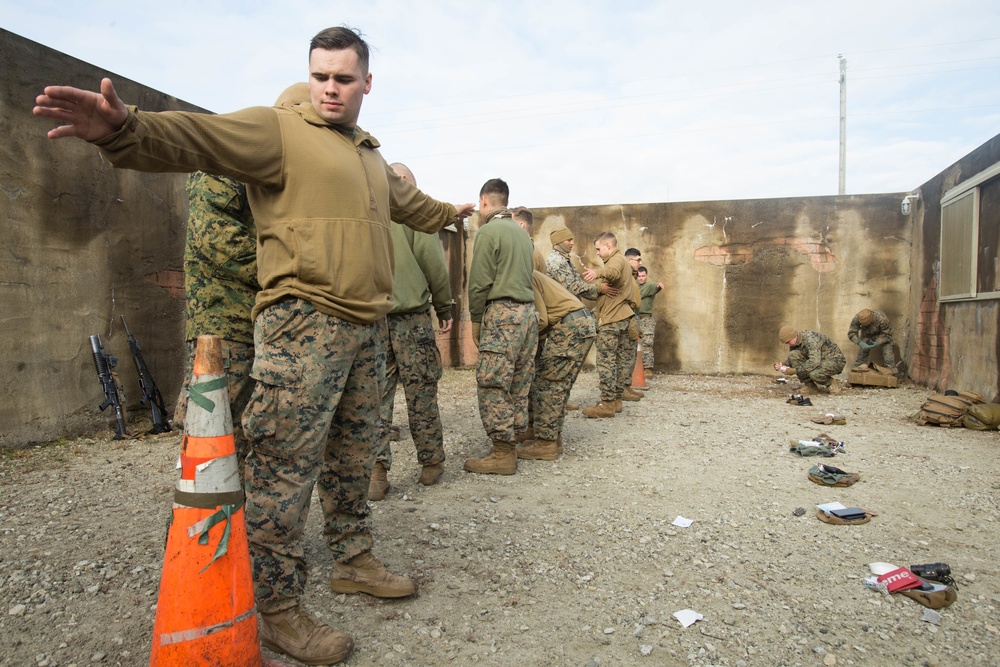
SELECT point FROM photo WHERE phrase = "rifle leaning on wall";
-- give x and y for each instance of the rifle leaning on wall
(150, 393)
(104, 364)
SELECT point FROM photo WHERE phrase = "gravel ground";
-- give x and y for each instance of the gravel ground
(575, 562)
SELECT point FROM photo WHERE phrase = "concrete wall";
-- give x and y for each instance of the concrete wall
(953, 345)
(83, 243)
(734, 271)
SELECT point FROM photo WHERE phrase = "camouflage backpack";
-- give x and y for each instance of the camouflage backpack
(945, 410)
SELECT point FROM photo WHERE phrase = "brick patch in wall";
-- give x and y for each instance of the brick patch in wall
(171, 281)
(820, 256)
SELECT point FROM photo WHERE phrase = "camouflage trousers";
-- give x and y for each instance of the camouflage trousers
(412, 357)
(506, 364)
(647, 330)
(237, 358)
(562, 354)
(629, 355)
(313, 419)
(614, 349)
(888, 356)
(821, 374)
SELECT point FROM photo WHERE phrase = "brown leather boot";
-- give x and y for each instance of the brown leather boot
(431, 474)
(618, 405)
(572, 406)
(501, 461)
(525, 435)
(603, 410)
(559, 445)
(379, 484)
(631, 396)
(299, 634)
(538, 450)
(366, 574)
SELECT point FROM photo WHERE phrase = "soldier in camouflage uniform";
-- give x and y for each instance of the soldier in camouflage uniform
(560, 268)
(871, 329)
(614, 317)
(421, 279)
(323, 198)
(566, 333)
(812, 357)
(647, 323)
(504, 327)
(634, 259)
(220, 284)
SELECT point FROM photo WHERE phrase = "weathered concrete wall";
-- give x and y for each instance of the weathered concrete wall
(953, 345)
(83, 244)
(734, 271)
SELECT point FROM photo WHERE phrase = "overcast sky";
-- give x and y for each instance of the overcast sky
(590, 102)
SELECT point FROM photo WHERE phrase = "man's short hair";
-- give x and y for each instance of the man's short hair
(340, 38)
(523, 214)
(633, 252)
(642, 269)
(606, 236)
(496, 191)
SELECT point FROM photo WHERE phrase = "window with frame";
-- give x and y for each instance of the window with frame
(970, 238)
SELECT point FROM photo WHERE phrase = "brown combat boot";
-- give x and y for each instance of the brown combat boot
(538, 450)
(559, 445)
(603, 410)
(629, 395)
(379, 485)
(431, 474)
(297, 633)
(570, 407)
(525, 435)
(618, 405)
(501, 461)
(365, 574)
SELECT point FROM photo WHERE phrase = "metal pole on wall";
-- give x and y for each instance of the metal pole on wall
(843, 126)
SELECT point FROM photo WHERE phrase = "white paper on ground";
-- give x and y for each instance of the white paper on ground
(829, 507)
(687, 617)
(682, 522)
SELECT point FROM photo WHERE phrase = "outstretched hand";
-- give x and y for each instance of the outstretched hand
(589, 275)
(84, 114)
(464, 210)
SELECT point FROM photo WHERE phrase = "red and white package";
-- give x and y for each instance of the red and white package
(900, 579)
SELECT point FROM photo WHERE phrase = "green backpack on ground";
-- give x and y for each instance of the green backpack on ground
(983, 417)
(942, 410)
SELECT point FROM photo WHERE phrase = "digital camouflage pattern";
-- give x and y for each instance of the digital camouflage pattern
(220, 284)
(647, 332)
(313, 418)
(412, 358)
(815, 357)
(506, 365)
(558, 364)
(628, 355)
(220, 259)
(878, 333)
(559, 268)
(612, 350)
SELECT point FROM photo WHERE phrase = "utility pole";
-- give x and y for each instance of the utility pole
(843, 125)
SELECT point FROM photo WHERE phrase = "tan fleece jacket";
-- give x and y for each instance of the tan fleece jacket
(322, 198)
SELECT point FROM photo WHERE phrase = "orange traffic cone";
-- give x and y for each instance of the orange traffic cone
(206, 614)
(638, 373)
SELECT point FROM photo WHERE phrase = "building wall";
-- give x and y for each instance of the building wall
(953, 345)
(83, 244)
(735, 271)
